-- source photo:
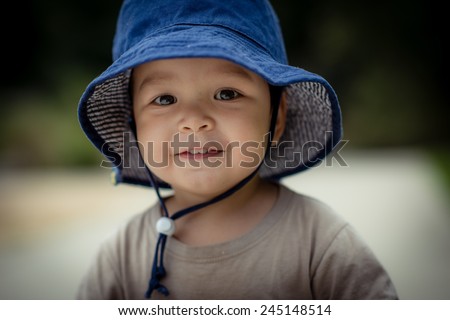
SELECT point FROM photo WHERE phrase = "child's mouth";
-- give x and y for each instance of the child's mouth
(198, 154)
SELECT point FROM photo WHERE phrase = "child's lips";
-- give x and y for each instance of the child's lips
(200, 154)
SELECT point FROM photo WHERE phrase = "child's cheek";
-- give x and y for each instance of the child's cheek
(245, 154)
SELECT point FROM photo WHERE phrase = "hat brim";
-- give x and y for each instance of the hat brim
(313, 125)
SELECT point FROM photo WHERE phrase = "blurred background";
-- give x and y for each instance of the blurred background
(386, 61)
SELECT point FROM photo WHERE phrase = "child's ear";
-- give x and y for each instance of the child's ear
(281, 119)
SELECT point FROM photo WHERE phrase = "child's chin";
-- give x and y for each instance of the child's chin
(207, 185)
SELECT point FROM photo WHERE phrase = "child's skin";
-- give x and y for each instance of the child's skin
(217, 101)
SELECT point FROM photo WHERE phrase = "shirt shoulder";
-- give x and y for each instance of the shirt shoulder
(121, 259)
(312, 217)
(341, 264)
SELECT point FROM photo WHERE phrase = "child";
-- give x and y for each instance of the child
(200, 99)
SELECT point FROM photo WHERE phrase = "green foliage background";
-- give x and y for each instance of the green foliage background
(386, 62)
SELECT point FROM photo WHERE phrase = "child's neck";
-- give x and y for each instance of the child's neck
(227, 219)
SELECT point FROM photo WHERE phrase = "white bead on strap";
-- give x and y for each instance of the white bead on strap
(165, 226)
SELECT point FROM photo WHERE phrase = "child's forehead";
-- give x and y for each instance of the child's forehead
(168, 68)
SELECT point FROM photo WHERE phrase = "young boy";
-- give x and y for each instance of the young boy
(200, 99)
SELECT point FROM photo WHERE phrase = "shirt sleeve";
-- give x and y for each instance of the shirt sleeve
(102, 281)
(348, 269)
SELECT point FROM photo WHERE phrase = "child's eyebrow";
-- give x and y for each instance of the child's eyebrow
(235, 71)
(156, 77)
(161, 76)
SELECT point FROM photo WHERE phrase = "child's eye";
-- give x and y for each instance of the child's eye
(165, 100)
(227, 94)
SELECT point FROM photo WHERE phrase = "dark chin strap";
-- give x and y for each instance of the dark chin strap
(158, 270)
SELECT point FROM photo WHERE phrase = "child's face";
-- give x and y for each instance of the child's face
(185, 107)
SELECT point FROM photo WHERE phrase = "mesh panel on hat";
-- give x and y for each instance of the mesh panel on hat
(308, 120)
(108, 111)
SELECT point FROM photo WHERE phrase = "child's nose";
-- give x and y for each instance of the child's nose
(195, 120)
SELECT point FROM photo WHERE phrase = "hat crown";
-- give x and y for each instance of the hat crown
(255, 19)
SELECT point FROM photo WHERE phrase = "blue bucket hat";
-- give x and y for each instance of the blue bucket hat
(244, 32)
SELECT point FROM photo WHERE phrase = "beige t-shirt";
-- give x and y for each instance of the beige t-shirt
(301, 250)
